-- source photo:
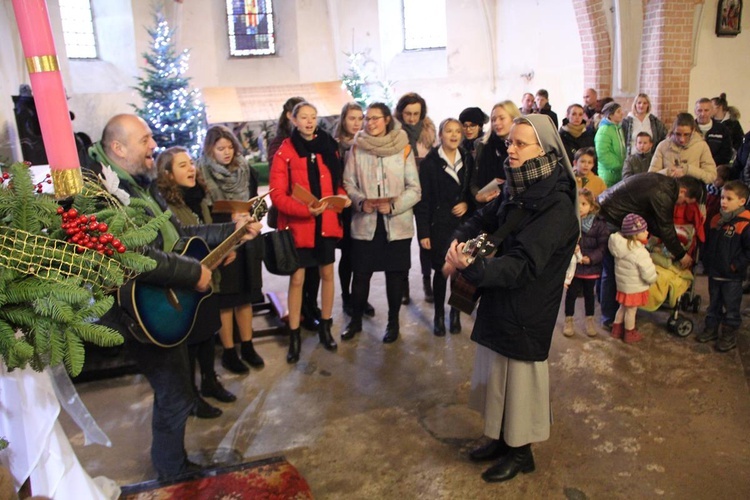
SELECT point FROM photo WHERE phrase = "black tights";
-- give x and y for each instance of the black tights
(394, 289)
(204, 353)
(439, 285)
(345, 270)
(572, 294)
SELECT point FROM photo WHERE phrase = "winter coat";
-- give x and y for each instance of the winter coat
(440, 193)
(522, 284)
(651, 196)
(399, 180)
(735, 132)
(658, 132)
(727, 252)
(719, 140)
(610, 152)
(547, 110)
(593, 245)
(573, 144)
(592, 182)
(695, 159)
(634, 269)
(294, 214)
(637, 163)
(741, 166)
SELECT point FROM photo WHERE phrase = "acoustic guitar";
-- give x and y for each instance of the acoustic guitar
(166, 316)
(464, 295)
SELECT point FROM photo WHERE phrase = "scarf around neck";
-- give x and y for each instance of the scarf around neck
(575, 130)
(727, 217)
(321, 144)
(532, 171)
(223, 184)
(413, 132)
(193, 197)
(586, 222)
(385, 145)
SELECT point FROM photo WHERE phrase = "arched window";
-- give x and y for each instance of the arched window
(424, 24)
(78, 29)
(250, 28)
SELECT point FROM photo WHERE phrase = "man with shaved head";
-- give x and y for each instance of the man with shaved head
(589, 103)
(127, 148)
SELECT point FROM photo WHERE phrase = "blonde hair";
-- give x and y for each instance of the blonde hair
(510, 108)
(640, 96)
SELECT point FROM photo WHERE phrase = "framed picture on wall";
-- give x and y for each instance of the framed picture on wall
(728, 18)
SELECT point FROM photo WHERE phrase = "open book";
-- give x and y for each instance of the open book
(251, 206)
(337, 202)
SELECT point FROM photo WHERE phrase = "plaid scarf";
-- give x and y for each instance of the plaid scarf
(532, 171)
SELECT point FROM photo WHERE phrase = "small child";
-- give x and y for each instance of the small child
(634, 273)
(583, 165)
(593, 244)
(687, 210)
(726, 260)
(713, 196)
(638, 162)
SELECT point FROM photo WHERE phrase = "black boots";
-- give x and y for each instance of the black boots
(249, 355)
(429, 297)
(204, 410)
(353, 328)
(212, 388)
(727, 339)
(494, 450)
(438, 327)
(295, 343)
(405, 298)
(391, 332)
(324, 334)
(515, 461)
(231, 361)
(455, 320)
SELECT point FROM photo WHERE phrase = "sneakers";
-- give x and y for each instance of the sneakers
(632, 336)
(569, 329)
(727, 339)
(708, 334)
(591, 327)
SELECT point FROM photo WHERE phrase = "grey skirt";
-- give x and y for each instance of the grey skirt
(512, 396)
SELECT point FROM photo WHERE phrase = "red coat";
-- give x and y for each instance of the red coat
(294, 214)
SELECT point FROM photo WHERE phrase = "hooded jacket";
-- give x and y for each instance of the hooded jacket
(634, 269)
(610, 152)
(694, 160)
(522, 283)
(727, 252)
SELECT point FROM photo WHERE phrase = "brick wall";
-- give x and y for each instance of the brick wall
(596, 45)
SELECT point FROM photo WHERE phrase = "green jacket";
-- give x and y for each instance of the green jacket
(610, 152)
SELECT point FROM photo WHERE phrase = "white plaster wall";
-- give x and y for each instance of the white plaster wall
(722, 64)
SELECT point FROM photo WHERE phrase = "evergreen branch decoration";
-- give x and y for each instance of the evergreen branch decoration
(51, 290)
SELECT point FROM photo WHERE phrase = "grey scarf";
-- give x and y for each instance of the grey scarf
(223, 184)
(382, 146)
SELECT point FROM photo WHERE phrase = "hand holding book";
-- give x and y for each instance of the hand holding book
(337, 202)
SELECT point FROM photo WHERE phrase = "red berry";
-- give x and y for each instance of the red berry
(103, 227)
(6, 175)
(92, 217)
(99, 247)
(49, 181)
(60, 210)
(121, 249)
(109, 252)
(80, 249)
(47, 176)
(72, 213)
(115, 242)
(83, 219)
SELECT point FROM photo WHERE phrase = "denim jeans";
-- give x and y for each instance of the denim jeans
(608, 289)
(724, 309)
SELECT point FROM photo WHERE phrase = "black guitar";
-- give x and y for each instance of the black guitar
(166, 316)
(464, 295)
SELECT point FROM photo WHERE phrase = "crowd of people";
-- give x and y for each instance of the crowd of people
(560, 206)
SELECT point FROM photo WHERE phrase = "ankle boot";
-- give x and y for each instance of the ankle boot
(617, 330)
(569, 328)
(369, 310)
(295, 344)
(204, 410)
(632, 336)
(211, 388)
(727, 339)
(494, 450)
(391, 332)
(251, 357)
(353, 328)
(517, 460)
(346, 305)
(439, 324)
(708, 334)
(429, 297)
(324, 334)
(455, 320)
(232, 362)
(591, 327)
(406, 299)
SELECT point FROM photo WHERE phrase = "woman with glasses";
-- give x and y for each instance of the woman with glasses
(610, 145)
(493, 154)
(684, 152)
(382, 181)
(472, 121)
(310, 158)
(444, 177)
(521, 285)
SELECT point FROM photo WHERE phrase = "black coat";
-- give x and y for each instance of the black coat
(719, 140)
(522, 285)
(440, 193)
(573, 144)
(653, 197)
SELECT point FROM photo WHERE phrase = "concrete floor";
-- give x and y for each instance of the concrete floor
(664, 418)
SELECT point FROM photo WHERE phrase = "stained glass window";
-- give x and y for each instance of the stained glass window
(78, 29)
(250, 27)
(424, 24)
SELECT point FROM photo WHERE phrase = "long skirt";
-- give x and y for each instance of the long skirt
(512, 396)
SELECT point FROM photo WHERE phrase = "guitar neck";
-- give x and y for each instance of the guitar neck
(214, 258)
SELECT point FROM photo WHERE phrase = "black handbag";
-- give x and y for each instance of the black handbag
(280, 255)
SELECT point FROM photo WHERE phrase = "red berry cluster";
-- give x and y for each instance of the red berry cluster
(86, 232)
(47, 179)
(4, 177)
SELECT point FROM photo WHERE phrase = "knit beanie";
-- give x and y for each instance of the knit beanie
(473, 115)
(633, 224)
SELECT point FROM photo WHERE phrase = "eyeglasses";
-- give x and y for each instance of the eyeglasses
(373, 118)
(470, 125)
(518, 144)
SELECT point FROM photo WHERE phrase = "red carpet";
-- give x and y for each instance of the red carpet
(273, 478)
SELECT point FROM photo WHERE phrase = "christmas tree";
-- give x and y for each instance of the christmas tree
(175, 113)
(355, 80)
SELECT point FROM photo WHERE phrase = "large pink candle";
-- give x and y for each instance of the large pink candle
(49, 95)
